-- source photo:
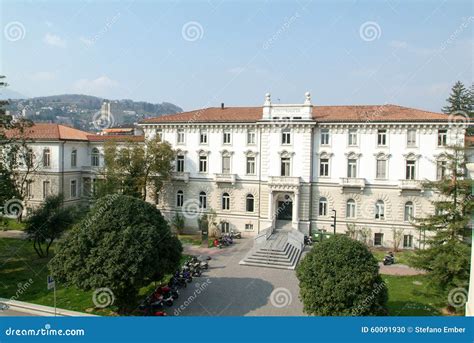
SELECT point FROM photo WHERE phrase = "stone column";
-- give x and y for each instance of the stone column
(296, 204)
(270, 206)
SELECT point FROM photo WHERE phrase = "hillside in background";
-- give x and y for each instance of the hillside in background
(78, 110)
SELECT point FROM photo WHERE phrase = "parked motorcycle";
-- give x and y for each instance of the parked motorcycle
(235, 234)
(389, 259)
(308, 240)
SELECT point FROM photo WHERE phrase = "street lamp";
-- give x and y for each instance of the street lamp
(334, 223)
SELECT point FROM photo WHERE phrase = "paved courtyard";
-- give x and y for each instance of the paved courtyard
(229, 289)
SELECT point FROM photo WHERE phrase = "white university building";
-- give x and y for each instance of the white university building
(296, 165)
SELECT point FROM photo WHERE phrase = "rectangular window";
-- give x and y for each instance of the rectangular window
(378, 239)
(250, 165)
(440, 169)
(442, 137)
(381, 172)
(29, 189)
(225, 227)
(159, 134)
(74, 158)
(285, 166)
(226, 137)
(225, 164)
(352, 139)
(323, 208)
(352, 168)
(248, 227)
(324, 167)
(251, 137)
(73, 188)
(382, 137)
(286, 137)
(46, 189)
(410, 170)
(180, 163)
(203, 164)
(179, 199)
(180, 138)
(408, 241)
(411, 137)
(325, 137)
(203, 137)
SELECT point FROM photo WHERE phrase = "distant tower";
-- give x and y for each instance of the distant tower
(105, 109)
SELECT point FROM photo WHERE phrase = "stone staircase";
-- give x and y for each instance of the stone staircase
(281, 249)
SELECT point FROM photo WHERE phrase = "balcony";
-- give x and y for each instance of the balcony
(225, 178)
(352, 182)
(90, 169)
(410, 185)
(283, 182)
(180, 176)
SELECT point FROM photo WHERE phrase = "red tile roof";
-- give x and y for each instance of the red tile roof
(54, 132)
(118, 138)
(362, 113)
(46, 131)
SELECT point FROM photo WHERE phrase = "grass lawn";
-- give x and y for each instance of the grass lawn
(402, 256)
(19, 264)
(411, 296)
(195, 240)
(10, 224)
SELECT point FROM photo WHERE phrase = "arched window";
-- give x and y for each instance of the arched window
(46, 158)
(202, 200)
(351, 208)
(179, 198)
(409, 211)
(379, 210)
(95, 158)
(74, 158)
(226, 201)
(250, 202)
(323, 207)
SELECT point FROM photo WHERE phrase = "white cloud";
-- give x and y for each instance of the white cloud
(397, 44)
(43, 76)
(99, 86)
(86, 41)
(54, 40)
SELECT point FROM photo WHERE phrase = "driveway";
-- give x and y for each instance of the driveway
(229, 289)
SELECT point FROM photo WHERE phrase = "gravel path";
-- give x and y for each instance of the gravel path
(399, 269)
(13, 234)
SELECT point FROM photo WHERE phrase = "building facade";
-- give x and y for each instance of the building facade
(63, 160)
(304, 164)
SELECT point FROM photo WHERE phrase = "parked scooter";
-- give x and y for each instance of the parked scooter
(389, 259)
(308, 240)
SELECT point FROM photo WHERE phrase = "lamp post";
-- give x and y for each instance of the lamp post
(334, 223)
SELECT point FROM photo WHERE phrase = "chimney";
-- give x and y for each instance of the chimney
(222, 105)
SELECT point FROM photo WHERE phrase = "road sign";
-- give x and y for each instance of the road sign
(51, 283)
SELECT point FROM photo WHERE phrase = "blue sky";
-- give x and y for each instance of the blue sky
(202, 53)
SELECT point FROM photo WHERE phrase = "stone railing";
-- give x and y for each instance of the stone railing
(296, 239)
(224, 177)
(356, 182)
(180, 176)
(263, 236)
(410, 184)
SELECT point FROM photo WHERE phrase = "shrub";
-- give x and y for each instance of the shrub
(340, 277)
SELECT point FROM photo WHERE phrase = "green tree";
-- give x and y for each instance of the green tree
(446, 232)
(135, 166)
(340, 277)
(122, 244)
(178, 222)
(458, 100)
(47, 223)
